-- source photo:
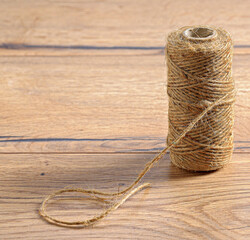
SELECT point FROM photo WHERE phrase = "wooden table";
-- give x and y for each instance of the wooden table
(83, 103)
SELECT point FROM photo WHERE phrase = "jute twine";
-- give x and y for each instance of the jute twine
(199, 63)
(201, 95)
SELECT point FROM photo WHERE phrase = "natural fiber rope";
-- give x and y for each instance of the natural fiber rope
(201, 95)
(199, 72)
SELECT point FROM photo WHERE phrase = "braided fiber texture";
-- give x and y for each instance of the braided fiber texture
(199, 73)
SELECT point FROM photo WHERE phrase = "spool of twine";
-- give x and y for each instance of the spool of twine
(201, 96)
(199, 61)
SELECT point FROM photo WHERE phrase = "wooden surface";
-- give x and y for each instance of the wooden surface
(83, 103)
(179, 205)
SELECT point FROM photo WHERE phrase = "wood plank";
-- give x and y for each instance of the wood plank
(179, 205)
(63, 24)
(96, 103)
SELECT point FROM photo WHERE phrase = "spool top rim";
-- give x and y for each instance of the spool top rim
(200, 33)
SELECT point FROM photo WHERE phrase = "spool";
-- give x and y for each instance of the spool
(199, 62)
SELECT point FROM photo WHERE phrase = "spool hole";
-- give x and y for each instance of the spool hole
(199, 33)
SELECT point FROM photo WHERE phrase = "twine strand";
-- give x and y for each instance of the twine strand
(94, 193)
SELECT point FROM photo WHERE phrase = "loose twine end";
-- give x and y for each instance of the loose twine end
(129, 191)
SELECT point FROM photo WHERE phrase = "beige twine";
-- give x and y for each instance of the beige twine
(199, 72)
(201, 95)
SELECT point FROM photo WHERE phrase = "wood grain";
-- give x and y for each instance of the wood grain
(179, 205)
(115, 23)
(80, 79)
(108, 103)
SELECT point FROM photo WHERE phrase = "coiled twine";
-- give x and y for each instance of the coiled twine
(201, 96)
(199, 61)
